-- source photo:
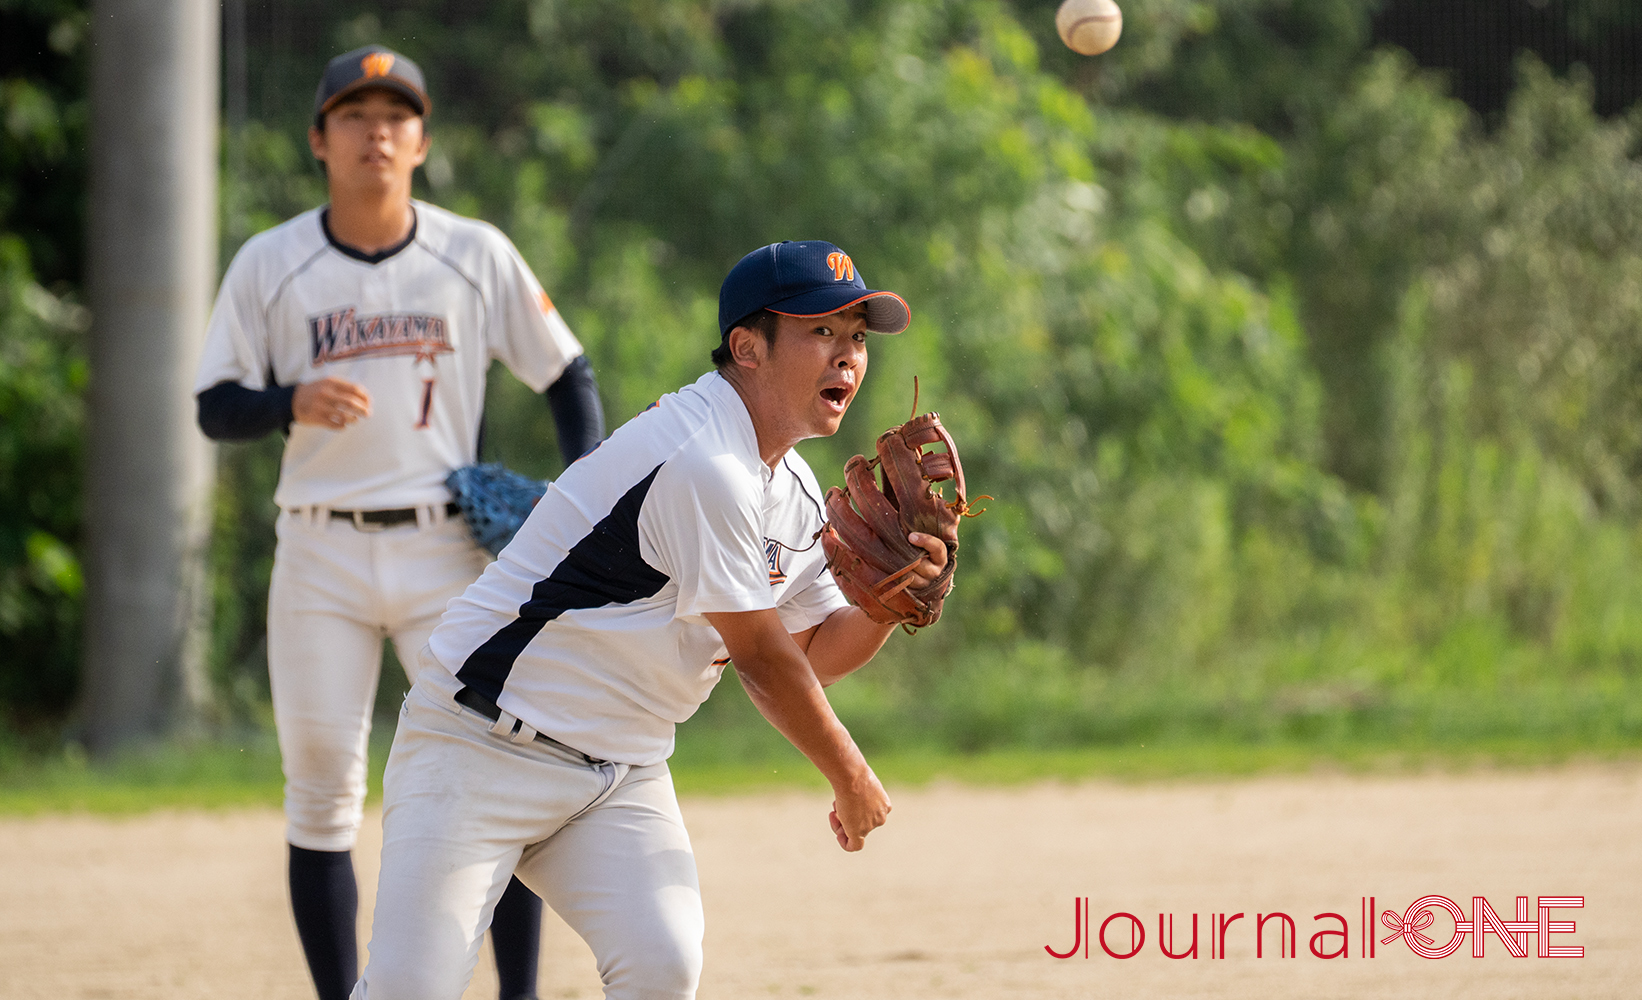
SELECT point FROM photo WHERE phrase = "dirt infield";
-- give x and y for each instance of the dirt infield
(956, 898)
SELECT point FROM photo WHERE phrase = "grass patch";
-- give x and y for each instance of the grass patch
(202, 775)
(697, 770)
(214, 775)
(245, 772)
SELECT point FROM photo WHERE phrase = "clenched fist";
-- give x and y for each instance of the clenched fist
(330, 402)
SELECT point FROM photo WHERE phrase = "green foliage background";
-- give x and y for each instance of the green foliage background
(1306, 396)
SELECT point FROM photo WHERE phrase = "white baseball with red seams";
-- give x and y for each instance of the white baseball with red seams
(1089, 27)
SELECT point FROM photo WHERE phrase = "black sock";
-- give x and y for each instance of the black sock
(325, 902)
(516, 937)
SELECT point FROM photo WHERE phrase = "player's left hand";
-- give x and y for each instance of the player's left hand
(875, 531)
(931, 565)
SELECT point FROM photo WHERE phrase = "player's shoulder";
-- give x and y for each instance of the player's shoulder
(713, 409)
(716, 439)
(458, 238)
(676, 445)
(274, 253)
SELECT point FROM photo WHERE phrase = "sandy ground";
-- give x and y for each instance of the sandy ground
(956, 898)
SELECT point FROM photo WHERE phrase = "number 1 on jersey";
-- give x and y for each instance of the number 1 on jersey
(427, 404)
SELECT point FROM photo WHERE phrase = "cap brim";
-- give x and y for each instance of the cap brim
(887, 313)
(383, 83)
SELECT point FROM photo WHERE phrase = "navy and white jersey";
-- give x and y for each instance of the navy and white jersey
(418, 329)
(590, 625)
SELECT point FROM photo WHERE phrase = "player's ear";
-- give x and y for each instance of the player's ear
(423, 147)
(747, 347)
(316, 142)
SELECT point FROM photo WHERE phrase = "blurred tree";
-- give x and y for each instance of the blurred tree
(1291, 372)
(1478, 41)
(42, 367)
(42, 134)
(42, 381)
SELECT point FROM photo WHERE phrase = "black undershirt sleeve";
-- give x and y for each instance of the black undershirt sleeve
(230, 412)
(577, 413)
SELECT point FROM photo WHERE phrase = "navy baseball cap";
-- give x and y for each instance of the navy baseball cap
(806, 279)
(371, 66)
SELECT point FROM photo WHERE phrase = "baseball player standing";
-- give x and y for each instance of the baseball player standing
(536, 736)
(364, 329)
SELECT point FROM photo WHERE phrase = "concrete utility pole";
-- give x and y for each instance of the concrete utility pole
(152, 263)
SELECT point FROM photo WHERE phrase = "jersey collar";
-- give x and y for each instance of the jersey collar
(360, 255)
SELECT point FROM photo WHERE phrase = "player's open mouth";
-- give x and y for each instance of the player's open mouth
(838, 395)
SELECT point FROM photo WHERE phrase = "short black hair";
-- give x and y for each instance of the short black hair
(763, 321)
(359, 95)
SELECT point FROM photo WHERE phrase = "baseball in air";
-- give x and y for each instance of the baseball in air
(1089, 27)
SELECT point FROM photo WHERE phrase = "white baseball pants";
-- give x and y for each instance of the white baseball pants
(336, 592)
(465, 808)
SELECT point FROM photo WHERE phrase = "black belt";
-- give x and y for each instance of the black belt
(487, 708)
(386, 518)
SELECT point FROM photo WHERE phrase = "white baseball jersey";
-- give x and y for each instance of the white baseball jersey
(590, 625)
(418, 330)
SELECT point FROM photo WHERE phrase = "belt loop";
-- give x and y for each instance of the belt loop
(359, 520)
(430, 515)
(503, 726)
(321, 515)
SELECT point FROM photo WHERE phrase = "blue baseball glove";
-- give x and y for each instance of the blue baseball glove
(495, 501)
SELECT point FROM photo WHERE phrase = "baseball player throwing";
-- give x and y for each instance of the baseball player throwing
(537, 734)
(364, 329)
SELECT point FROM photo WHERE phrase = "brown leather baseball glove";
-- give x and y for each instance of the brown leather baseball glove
(866, 543)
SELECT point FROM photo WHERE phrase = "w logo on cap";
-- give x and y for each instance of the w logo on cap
(843, 269)
(377, 64)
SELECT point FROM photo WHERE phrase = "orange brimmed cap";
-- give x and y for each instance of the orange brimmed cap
(371, 66)
(805, 279)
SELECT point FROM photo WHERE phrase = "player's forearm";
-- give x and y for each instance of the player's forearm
(578, 416)
(785, 691)
(229, 411)
(845, 642)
